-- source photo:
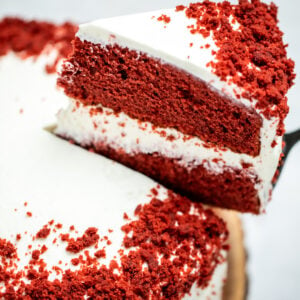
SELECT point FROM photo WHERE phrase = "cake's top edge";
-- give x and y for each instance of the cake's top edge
(239, 45)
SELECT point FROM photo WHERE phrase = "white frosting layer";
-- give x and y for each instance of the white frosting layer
(58, 180)
(171, 43)
(121, 131)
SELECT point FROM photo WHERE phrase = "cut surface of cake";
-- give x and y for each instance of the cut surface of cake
(75, 225)
(194, 97)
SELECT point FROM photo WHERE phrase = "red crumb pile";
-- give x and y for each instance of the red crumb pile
(257, 43)
(169, 247)
(235, 189)
(89, 238)
(43, 233)
(31, 38)
(164, 18)
(7, 250)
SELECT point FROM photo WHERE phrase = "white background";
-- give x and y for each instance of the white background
(272, 240)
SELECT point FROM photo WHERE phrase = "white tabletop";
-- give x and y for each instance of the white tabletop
(272, 240)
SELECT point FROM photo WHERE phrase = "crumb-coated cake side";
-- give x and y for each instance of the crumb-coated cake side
(75, 225)
(194, 97)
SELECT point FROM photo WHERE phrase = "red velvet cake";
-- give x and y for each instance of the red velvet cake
(75, 225)
(194, 97)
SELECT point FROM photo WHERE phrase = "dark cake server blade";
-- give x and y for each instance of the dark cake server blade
(290, 139)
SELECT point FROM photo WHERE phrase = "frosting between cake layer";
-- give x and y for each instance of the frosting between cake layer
(119, 131)
(54, 177)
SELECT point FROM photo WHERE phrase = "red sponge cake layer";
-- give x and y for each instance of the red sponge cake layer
(233, 190)
(149, 90)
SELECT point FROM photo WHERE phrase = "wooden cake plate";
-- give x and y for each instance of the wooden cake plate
(236, 284)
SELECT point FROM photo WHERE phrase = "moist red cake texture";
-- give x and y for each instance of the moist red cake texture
(161, 229)
(31, 38)
(147, 90)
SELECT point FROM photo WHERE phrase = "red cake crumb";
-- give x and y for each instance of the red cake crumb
(163, 260)
(257, 42)
(246, 165)
(100, 253)
(43, 233)
(89, 238)
(95, 125)
(29, 214)
(274, 143)
(36, 254)
(58, 226)
(154, 191)
(180, 7)
(65, 237)
(164, 18)
(7, 249)
(31, 38)
(75, 261)
(43, 249)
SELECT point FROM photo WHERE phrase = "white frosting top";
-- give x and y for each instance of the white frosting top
(58, 180)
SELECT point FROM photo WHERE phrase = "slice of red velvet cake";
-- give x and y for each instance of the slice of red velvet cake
(194, 97)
